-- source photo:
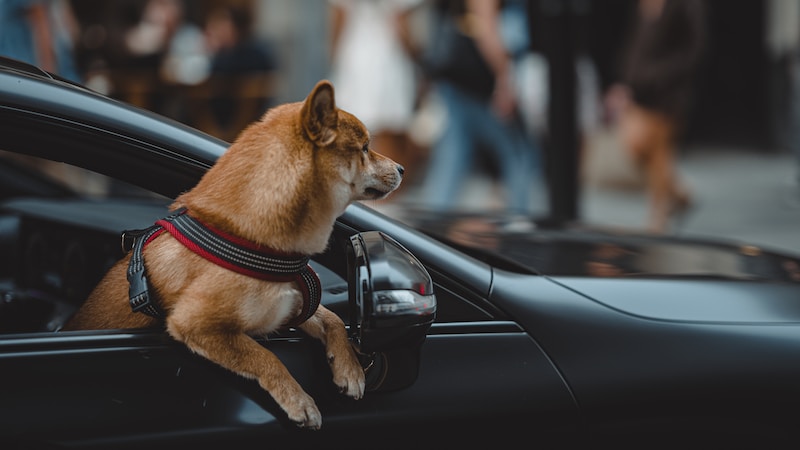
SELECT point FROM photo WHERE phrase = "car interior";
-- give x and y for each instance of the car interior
(61, 230)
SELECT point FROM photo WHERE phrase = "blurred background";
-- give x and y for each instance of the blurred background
(660, 116)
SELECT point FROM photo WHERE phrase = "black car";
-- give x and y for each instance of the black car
(556, 337)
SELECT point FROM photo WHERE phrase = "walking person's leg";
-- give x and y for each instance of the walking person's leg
(451, 159)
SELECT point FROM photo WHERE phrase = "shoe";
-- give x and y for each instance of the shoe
(674, 218)
(680, 208)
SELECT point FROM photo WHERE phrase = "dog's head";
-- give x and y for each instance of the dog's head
(287, 177)
(343, 147)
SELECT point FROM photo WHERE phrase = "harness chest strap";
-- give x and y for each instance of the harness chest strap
(228, 251)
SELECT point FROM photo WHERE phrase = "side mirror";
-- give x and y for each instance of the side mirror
(392, 306)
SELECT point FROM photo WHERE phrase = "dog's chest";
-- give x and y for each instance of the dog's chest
(266, 309)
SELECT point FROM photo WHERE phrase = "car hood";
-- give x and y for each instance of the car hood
(592, 252)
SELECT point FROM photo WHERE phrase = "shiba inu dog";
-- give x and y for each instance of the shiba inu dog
(272, 199)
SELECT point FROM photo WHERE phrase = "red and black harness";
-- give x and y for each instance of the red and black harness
(230, 252)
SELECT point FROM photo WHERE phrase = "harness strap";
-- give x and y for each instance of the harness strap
(138, 288)
(227, 251)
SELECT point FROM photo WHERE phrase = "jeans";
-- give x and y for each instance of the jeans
(470, 123)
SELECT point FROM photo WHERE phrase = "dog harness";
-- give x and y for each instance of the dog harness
(230, 252)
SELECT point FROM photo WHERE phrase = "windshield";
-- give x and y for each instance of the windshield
(597, 252)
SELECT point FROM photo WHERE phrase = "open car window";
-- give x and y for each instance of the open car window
(60, 231)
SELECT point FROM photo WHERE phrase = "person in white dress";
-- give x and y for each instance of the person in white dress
(374, 71)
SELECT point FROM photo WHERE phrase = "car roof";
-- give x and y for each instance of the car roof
(52, 94)
(9, 64)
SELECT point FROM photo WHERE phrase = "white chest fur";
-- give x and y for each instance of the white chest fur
(264, 310)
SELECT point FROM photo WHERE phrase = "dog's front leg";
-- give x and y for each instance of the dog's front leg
(347, 372)
(241, 354)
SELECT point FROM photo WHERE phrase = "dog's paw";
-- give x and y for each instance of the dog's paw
(304, 412)
(348, 374)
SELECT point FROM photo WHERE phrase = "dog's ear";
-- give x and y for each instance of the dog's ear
(319, 115)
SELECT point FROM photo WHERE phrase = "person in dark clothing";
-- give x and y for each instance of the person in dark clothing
(241, 71)
(471, 70)
(654, 97)
(664, 55)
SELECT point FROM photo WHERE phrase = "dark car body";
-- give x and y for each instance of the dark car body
(551, 338)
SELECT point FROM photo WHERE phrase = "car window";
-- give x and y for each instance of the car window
(60, 231)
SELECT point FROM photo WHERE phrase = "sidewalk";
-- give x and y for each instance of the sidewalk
(743, 196)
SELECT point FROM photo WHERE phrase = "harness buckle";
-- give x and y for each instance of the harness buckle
(138, 288)
(128, 238)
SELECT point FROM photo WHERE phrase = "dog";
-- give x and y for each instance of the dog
(280, 186)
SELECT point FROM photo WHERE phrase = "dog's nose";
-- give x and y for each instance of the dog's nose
(401, 170)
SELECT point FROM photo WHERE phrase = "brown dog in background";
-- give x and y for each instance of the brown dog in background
(281, 185)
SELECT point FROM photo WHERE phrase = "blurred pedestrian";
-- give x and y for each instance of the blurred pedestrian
(374, 70)
(40, 32)
(472, 72)
(654, 97)
(175, 43)
(242, 71)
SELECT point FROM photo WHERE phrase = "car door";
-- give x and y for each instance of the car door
(475, 377)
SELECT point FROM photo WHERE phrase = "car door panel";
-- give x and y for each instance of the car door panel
(98, 389)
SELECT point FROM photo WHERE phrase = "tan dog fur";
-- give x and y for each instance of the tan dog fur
(282, 184)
